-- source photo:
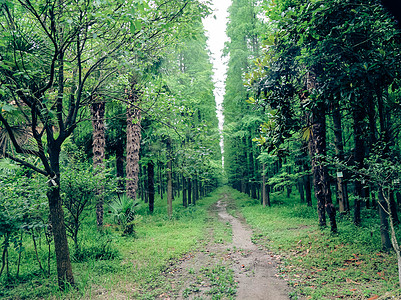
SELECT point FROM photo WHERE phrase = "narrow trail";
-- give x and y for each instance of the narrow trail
(254, 269)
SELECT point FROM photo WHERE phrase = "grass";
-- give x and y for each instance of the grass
(317, 263)
(135, 266)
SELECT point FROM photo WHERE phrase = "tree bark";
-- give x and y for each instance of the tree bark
(145, 185)
(189, 190)
(384, 229)
(321, 178)
(120, 163)
(195, 196)
(359, 155)
(98, 148)
(169, 188)
(308, 191)
(184, 192)
(264, 196)
(133, 143)
(151, 185)
(339, 148)
(393, 208)
(301, 190)
(64, 269)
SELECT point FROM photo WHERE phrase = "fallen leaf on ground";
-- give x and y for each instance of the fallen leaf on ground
(373, 297)
(351, 281)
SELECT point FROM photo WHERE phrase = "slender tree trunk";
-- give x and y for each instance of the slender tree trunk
(264, 196)
(393, 208)
(195, 195)
(308, 190)
(189, 190)
(320, 174)
(359, 155)
(151, 185)
(338, 143)
(133, 144)
(268, 189)
(301, 190)
(160, 182)
(184, 192)
(145, 185)
(384, 229)
(318, 147)
(169, 188)
(98, 148)
(120, 162)
(64, 269)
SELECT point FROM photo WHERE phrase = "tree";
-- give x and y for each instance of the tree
(53, 59)
(240, 122)
(133, 141)
(325, 57)
(99, 142)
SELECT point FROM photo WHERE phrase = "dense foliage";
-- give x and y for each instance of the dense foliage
(107, 107)
(325, 82)
(122, 65)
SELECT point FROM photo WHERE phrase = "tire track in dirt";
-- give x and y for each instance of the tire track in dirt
(254, 268)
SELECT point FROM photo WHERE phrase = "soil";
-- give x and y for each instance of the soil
(251, 268)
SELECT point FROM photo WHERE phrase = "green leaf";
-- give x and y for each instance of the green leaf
(251, 100)
(132, 28)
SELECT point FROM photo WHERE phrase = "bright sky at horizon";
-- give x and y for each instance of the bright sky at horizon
(215, 26)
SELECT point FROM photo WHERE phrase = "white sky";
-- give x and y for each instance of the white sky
(215, 26)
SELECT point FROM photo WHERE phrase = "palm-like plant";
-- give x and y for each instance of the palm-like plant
(123, 211)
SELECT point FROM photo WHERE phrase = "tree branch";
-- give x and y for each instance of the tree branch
(26, 164)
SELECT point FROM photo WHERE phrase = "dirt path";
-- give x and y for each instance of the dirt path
(239, 270)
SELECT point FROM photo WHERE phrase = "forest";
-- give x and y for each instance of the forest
(118, 183)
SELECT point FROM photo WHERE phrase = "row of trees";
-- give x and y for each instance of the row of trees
(119, 64)
(322, 77)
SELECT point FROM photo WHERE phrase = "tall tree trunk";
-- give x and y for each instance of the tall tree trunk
(64, 269)
(189, 190)
(264, 196)
(98, 148)
(318, 147)
(120, 163)
(321, 178)
(308, 191)
(301, 190)
(195, 195)
(251, 168)
(359, 155)
(151, 185)
(161, 191)
(145, 185)
(384, 228)
(133, 143)
(169, 181)
(306, 179)
(393, 208)
(339, 148)
(184, 191)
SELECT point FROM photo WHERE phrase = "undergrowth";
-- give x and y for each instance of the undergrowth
(109, 265)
